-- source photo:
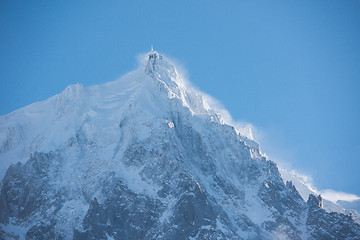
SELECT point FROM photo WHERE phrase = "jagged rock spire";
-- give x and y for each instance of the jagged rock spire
(152, 61)
(315, 201)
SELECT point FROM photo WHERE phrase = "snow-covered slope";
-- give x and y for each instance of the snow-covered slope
(350, 205)
(46, 126)
(305, 190)
(145, 157)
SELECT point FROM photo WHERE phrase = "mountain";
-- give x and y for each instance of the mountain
(146, 157)
(353, 207)
(305, 190)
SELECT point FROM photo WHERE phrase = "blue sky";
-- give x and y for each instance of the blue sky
(290, 68)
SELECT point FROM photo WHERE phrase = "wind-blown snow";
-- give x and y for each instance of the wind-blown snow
(48, 125)
(304, 186)
(147, 147)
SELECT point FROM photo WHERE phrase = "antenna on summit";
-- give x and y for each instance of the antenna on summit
(152, 48)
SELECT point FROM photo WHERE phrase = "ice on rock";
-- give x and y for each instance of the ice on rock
(145, 157)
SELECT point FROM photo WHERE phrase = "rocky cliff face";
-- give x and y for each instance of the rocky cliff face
(145, 157)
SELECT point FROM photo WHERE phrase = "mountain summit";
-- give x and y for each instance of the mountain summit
(146, 157)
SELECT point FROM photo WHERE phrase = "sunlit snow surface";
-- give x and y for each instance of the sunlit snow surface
(97, 110)
(305, 189)
(154, 147)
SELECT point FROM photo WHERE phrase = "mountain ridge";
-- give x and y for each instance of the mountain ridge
(145, 157)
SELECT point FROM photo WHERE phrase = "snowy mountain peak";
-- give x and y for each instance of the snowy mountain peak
(145, 157)
(167, 80)
(153, 54)
(159, 67)
(151, 65)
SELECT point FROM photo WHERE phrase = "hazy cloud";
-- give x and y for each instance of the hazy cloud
(335, 196)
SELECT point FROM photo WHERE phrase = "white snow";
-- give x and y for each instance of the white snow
(107, 118)
(70, 216)
(97, 111)
(304, 187)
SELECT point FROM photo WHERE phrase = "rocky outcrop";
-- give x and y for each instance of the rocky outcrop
(158, 163)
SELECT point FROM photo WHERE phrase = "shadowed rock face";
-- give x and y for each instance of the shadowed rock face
(162, 167)
(180, 207)
(26, 189)
(323, 225)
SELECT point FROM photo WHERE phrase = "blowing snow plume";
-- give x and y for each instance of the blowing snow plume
(146, 157)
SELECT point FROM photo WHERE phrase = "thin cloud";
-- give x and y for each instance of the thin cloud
(335, 196)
